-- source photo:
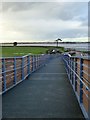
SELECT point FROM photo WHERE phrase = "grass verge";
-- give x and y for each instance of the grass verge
(20, 51)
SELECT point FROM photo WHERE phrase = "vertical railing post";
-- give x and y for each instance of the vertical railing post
(4, 74)
(37, 61)
(69, 68)
(33, 63)
(72, 71)
(76, 73)
(89, 106)
(44, 59)
(68, 64)
(15, 76)
(40, 60)
(81, 84)
(28, 64)
(22, 68)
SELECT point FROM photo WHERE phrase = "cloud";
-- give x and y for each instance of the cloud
(16, 6)
(44, 21)
(48, 10)
(45, 1)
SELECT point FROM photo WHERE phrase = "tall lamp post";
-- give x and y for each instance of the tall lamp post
(57, 41)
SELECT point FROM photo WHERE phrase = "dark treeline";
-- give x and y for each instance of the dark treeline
(46, 42)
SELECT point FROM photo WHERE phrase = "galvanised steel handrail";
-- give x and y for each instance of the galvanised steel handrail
(14, 70)
(78, 71)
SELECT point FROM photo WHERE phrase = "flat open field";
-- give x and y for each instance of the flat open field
(20, 51)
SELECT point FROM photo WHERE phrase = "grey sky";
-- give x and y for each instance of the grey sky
(44, 21)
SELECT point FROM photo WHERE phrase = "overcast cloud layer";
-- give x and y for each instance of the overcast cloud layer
(44, 21)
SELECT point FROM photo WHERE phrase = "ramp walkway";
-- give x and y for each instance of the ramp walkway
(47, 93)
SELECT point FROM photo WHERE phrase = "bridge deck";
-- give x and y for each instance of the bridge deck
(47, 93)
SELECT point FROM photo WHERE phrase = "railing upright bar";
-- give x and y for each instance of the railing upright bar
(15, 76)
(22, 68)
(29, 65)
(70, 69)
(89, 107)
(81, 84)
(4, 74)
(37, 61)
(69, 65)
(34, 63)
(75, 75)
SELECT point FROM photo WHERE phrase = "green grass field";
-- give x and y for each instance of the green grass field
(20, 51)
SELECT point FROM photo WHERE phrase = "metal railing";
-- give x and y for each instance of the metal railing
(14, 70)
(78, 71)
